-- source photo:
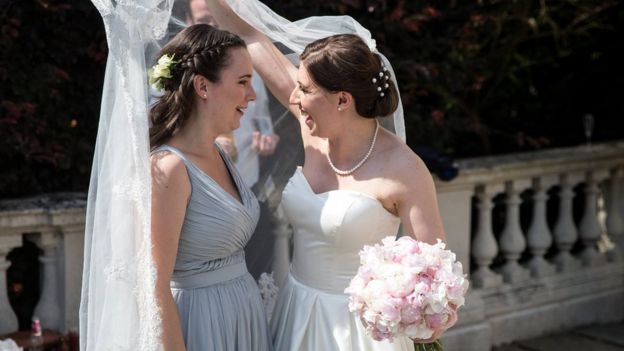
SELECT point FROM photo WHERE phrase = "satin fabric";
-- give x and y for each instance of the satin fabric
(330, 228)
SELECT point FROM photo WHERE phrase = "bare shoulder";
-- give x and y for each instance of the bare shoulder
(169, 171)
(403, 166)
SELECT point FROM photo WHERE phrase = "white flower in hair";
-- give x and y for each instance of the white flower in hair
(160, 71)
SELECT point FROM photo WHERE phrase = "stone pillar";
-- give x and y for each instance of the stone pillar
(589, 229)
(484, 247)
(613, 203)
(565, 232)
(512, 242)
(48, 309)
(539, 237)
(8, 319)
(455, 203)
(72, 263)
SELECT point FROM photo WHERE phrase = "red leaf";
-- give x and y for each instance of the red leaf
(432, 12)
(438, 118)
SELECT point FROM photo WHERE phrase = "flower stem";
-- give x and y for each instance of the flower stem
(434, 346)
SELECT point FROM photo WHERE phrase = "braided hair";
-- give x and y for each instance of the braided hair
(199, 49)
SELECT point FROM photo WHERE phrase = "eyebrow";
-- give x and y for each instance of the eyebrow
(245, 76)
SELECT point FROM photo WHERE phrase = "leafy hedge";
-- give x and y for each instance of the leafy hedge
(493, 76)
(477, 77)
(52, 59)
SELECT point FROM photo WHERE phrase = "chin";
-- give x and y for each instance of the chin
(315, 132)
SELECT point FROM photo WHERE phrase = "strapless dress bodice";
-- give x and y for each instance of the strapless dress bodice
(330, 229)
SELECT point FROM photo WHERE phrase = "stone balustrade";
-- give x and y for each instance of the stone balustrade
(540, 235)
(55, 224)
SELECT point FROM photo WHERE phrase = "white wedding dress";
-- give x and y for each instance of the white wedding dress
(330, 229)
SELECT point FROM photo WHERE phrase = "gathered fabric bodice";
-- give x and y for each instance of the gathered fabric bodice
(330, 229)
(216, 225)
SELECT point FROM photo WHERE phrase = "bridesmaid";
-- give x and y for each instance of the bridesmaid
(202, 212)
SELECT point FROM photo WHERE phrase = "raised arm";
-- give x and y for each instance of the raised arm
(171, 189)
(278, 73)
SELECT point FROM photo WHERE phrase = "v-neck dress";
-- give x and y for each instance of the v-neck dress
(218, 301)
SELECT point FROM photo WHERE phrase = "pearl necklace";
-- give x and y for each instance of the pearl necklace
(349, 171)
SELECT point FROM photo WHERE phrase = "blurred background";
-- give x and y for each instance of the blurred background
(477, 77)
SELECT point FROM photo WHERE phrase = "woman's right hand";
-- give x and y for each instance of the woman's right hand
(451, 322)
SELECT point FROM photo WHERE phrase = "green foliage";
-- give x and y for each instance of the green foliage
(492, 76)
(52, 58)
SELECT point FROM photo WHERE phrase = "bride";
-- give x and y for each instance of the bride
(358, 183)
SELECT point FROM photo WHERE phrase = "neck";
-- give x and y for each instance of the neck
(197, 136)
(352, 142)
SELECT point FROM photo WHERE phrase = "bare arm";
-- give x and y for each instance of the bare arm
(278, 73)
(418, 204)
(419, 213)
(171, 190)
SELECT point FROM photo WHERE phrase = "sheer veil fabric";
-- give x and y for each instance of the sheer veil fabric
(296, 35)
(118, 309)
(292, 38)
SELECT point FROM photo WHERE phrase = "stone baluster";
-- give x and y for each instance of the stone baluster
(589, 228)
(512, 242)
(72, 249)
(48, 309)
(565, 231)
(484, 247)
(613, 198)
(8, 319)
(538, 236)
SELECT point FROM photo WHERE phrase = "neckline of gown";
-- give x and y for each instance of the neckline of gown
(355, 192)
(242, 203)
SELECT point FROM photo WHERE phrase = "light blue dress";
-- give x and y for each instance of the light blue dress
(218, 300)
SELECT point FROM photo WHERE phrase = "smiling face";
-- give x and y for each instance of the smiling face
(318, 107)
(227, 99)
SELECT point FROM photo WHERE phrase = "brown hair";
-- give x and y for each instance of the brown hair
(199, 49)
(344, 62)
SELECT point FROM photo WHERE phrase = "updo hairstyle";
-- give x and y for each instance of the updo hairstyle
(344, 62)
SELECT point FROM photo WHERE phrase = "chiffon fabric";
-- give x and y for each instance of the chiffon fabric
(218, 301)
(330, 229)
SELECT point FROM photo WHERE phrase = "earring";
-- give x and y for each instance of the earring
(339, 108)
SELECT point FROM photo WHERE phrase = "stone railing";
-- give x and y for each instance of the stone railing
(56, 225)
(540, 235)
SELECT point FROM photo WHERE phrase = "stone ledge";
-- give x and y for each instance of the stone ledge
(42, 213)
(554, 289)
(50, 202)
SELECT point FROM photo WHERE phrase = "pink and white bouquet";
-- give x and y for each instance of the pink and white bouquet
(407, 288)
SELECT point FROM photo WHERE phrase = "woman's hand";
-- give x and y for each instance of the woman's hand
(451, 322)
(263, 144)
(228, 145)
